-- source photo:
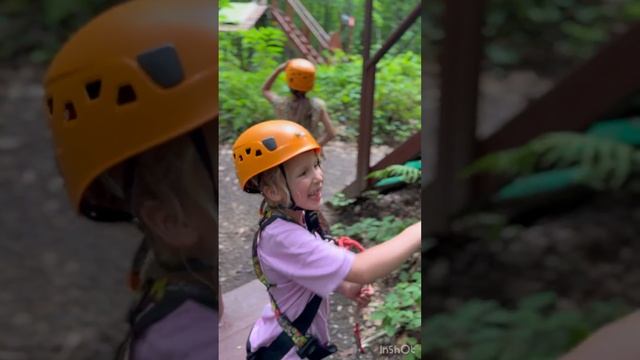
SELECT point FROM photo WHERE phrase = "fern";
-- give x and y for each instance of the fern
(605, 163)
(512, 162)
(409, 174)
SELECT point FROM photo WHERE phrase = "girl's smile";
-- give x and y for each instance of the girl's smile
(305, 179)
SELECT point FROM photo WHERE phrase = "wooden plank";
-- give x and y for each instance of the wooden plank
(242, 307)
(408, 150)
(580, 98)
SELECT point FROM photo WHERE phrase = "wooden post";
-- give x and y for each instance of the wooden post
(460, 67)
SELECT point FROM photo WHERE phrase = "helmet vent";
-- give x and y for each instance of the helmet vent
(126, 94)
(163, 66)
(70, 111)
(93, 89)
(248, 151)
(270, 143)
(50, 105)
(258, 152)
(240, 157)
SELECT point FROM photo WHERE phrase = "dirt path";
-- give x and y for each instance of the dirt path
(64, 293)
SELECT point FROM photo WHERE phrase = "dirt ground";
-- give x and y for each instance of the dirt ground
(589, 253)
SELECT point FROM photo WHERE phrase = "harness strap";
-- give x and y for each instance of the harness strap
(151, 309)
(174, 296)
(283, 343)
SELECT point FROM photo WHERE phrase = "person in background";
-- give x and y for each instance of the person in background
(309, 112)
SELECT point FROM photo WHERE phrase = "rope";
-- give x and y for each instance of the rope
(351, 244)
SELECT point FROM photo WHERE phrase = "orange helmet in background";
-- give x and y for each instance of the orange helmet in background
(267, 145)
(136, 76)
(300, 74)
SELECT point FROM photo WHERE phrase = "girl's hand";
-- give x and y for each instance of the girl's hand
(364, 297)
(361, 294)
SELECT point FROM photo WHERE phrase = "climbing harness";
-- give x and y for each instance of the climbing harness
(293, 332)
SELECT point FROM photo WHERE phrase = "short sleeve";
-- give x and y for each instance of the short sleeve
(304, 257)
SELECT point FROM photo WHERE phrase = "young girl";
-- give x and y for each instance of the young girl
(308, 112)
(279, 159)
(132, 105)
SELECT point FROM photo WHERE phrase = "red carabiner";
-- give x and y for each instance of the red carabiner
(350, 244)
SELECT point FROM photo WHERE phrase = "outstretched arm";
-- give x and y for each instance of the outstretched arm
(382, 259)
(266, 87)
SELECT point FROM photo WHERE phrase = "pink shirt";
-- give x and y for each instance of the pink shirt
(300, 264)
(188, 333)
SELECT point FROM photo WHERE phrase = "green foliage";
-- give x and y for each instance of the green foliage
(373, 229)
(373, 195)
(223, 3)
(480, 329)
(339, 200)
(251, 50)
(631, 10)
(246, 60)
(400, 313)
(604, 163)
(400, 310)
(387, 15)
(536, 33)
(339, 86)
(397, 99)
(409, 174)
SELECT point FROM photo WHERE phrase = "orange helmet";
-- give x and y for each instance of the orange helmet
(267, 145)
(138, 75)
(300, 74)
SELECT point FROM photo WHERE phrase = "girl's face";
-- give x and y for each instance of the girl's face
(305, 179)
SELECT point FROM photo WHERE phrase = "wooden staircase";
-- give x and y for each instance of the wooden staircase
(299, 39)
